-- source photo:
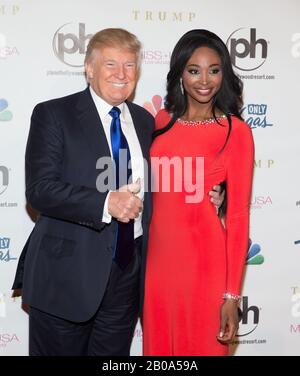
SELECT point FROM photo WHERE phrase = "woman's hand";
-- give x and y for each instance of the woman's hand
(229, 321)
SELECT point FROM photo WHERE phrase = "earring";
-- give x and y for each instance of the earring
(181, 86)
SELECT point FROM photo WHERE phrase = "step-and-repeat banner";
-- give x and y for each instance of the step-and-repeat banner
(42, 46)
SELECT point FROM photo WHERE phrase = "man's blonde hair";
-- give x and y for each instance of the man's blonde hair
(113, 37)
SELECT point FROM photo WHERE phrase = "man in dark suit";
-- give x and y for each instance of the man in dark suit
(82, 302)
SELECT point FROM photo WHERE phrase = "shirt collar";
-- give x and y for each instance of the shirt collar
(104, 107)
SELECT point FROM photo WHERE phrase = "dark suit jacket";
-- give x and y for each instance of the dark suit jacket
(69, 253)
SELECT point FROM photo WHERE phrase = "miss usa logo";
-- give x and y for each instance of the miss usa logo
(7, 338)
(255, 115)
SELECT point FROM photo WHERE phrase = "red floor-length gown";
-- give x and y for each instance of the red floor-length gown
(192, 260)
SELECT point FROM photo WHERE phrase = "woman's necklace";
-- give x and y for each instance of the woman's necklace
(195, 123)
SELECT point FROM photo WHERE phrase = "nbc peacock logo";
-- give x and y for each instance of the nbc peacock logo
(5, 114)
(254, 257)
(154, 106)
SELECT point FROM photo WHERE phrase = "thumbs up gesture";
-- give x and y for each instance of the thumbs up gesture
(124, 204)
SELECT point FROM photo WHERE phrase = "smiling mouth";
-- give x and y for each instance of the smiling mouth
(117, 84)
(203, 91)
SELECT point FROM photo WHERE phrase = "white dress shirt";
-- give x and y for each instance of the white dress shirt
(137, 162)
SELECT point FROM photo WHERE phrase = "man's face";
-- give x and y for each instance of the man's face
(112, 73)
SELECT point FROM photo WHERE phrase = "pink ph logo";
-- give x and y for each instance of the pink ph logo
(154, 106)
(5, 115)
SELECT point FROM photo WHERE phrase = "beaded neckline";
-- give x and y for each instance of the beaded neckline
(200, 122)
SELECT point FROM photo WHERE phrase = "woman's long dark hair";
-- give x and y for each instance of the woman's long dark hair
(229, 97)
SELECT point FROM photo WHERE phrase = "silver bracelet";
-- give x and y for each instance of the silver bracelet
(228, 295)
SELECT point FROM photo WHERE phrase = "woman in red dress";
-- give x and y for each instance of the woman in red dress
(195, 262)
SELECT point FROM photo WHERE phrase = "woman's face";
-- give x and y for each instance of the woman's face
(202, 76)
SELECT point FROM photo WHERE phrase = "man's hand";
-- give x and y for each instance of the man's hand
(217, 195)
(124, 204)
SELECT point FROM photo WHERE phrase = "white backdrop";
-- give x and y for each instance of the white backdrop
(42, 45)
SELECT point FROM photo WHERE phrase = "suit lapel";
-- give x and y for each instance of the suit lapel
(141, 134)
(91, 125)
(93, 131)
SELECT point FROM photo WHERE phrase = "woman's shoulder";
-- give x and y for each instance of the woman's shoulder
(241, 134)
(240, 127)
(162, 118)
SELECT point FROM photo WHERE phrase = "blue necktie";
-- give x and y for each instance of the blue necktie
(124, 246)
